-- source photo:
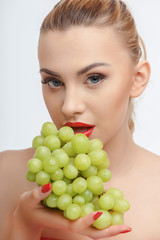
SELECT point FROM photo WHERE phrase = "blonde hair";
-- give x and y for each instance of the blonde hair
(100, 13)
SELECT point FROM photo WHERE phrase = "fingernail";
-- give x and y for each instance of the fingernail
(97, 215)
(126, 231)
(45, 188)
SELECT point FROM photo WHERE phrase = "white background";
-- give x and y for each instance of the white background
(22, 110)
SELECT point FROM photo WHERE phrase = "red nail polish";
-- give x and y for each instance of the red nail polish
(45, 188)
(126, 231)
(97, 215)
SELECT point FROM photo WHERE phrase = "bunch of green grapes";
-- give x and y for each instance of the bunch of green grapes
(77, 168)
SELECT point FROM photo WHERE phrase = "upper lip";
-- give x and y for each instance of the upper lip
(78, 124)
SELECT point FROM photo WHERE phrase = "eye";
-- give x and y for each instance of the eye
(95, 79)
(52, 83)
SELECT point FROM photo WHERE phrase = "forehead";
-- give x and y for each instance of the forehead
(86, 44)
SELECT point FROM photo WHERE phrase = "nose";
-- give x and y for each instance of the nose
(73, 103)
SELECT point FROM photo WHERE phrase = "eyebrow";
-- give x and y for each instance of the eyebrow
(80, 72)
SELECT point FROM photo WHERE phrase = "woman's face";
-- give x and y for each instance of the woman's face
(88, 76)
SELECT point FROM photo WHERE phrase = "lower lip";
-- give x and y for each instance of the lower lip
(87, 133)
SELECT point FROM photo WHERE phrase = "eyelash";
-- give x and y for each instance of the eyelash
(48, 80)
(99, 76)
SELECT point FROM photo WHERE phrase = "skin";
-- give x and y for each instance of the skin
(104, 104)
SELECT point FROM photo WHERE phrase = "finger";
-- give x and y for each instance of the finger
(40, 193)
(108, 232)
(30, 205)
(41, 216)
(85, 222)
(34, 197)
(56, 219)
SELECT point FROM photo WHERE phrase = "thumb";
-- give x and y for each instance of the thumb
(40, 193)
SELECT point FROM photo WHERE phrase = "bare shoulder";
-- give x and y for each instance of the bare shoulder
(13, 160)
(149, 165)
(10, 155)
(13, 166)
(150, 158)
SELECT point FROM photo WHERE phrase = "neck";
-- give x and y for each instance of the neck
(121, 153)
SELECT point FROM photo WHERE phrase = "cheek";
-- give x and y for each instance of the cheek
(111, 102)
(111, 108)
(52, 105)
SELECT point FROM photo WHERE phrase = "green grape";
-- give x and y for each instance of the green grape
(86, 209)
(95, 184)
(70, 171)
(42, 134)
(98, 157)
(70, 190)
(95, 144)
(95, 202)
(79, 185)
(115, 193)
(90, 205)
(65, 134)
(35, 165)
(44, 202)
(57, 174)
(64, 213)
(48, 128)
(82, 162)
(52, 142)
(42, 152)
(69, 149)
(59, 187)
(95, 198)
(51, 200)
(61, 156)
(30, 176)
(42, 178)
(121, 205)
(106, 202)
(91, 171)
(100, 191)
(50, 164)
(71, 161)
(80, 143)
(64, 201)
(103, 221)
(117, 218)
(105, 174)
(87, 195)
(78, 199)
(73, 211)
(37, 142)
(106, 164)
(66, 180)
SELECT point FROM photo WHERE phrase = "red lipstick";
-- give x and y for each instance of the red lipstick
(80, 127)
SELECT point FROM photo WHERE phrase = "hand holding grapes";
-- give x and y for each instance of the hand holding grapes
(30, 217)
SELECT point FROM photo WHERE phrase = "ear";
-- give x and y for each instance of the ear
(140, 79)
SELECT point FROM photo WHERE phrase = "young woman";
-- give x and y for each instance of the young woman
(92, 68)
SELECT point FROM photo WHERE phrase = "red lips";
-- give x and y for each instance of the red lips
(80, 127)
